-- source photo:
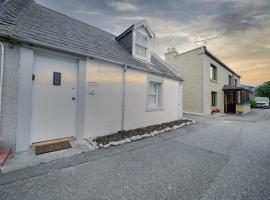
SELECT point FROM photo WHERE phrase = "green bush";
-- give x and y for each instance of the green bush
(252, 103)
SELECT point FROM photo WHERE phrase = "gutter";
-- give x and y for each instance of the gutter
(123, 98)
(1, 74)
(202, 85)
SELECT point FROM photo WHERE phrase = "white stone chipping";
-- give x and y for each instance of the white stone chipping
(138, 137)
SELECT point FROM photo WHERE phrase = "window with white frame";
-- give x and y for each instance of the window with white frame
(154, 94)
(141, 45)
(141, 39)
(140, 51)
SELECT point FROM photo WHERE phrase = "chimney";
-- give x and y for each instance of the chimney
(171, 52)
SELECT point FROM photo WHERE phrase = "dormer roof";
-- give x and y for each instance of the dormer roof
(142, 23)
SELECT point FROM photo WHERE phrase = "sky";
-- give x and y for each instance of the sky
(238, 30)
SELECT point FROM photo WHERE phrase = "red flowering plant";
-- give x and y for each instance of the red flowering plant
(216, 110)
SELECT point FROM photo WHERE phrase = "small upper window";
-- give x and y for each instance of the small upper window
(230, 80)
(213, 72)
(141, 45)
(235, 82)
(154, 95)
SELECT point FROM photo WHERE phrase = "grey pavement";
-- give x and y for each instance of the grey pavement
(217, 158)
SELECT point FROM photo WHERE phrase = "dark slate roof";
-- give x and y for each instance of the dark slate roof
(162, 65)
(10, 13)
(125, 32)
(32, 23)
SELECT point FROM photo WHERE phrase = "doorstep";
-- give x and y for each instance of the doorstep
(52, 141)
(28, 158)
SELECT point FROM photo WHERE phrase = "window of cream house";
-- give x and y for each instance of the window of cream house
(230, 80)
(213, 99)
(213, 72)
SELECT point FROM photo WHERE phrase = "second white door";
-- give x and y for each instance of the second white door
(53, 98)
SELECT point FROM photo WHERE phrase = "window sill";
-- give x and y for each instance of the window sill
(154, 109)
(143, 59)
(212, 80)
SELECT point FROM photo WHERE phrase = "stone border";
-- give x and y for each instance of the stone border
(96, 145)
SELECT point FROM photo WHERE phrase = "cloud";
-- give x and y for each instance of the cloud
(122, 6)
(90, 12)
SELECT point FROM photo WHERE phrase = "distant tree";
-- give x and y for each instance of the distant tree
(263, 90)
(252, 103)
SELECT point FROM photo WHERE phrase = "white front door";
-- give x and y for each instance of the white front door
(53, 98)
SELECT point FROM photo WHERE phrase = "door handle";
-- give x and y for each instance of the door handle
(73, 98)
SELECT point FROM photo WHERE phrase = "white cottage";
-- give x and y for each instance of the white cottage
(62, 78)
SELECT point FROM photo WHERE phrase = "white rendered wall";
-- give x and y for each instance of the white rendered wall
(24, 104)
(103, 114)
(136, 99)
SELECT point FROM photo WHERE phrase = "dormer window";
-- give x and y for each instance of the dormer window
(141, 45)
(141, 39)
(138, 40)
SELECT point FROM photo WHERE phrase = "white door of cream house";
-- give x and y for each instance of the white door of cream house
(53, 98)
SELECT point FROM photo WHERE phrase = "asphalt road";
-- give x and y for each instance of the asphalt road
(223, 158)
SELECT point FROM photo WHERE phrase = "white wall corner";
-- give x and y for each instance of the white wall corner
(24, 105)
(81, 96)
(181, 100)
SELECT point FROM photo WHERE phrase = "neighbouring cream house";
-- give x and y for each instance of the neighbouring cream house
(209, 83)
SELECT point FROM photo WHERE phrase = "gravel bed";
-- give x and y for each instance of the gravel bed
(122, 135)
